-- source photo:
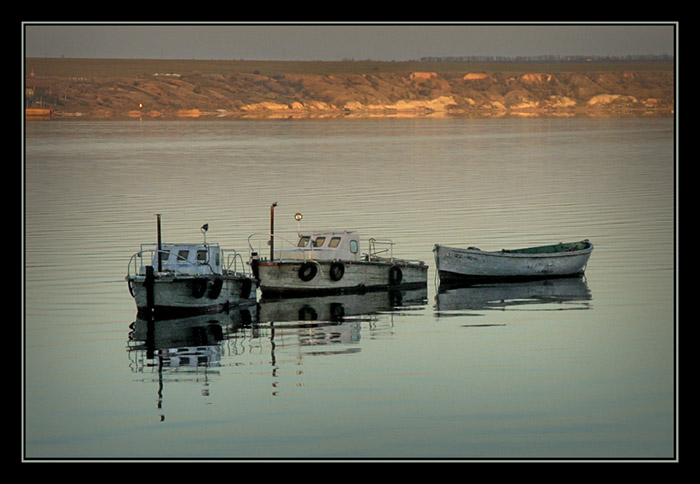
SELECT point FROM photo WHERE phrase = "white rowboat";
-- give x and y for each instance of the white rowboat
(474, 265)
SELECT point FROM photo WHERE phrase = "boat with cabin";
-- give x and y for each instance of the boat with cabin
(176, 279)
(331, 262)
(473, 265)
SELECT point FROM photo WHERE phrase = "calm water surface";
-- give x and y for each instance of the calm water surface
(563, 369)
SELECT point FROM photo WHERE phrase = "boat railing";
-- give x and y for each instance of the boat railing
(232, 260)
(386, 247)
(146, 257)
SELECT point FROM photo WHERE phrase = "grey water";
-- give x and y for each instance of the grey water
(565, 369)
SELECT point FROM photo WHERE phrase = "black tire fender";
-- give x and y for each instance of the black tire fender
(307, 271)
(337, 311)
(199, 287)
(246, 288)
(395, 275)
(215, 288)
(337, 270)
(307, 313)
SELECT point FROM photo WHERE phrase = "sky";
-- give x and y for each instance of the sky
(328, 42)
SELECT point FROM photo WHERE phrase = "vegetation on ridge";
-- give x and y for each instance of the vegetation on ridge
(115, 88)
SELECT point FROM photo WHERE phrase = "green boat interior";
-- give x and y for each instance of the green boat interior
(552, 249)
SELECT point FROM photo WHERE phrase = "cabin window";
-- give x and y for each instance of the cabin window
(354, 246)
(202, 256)
(303, 241)
(334, 242)
(163, 254)
(183, 255)
(318, 241)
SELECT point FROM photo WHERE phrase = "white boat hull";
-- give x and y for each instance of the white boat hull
(476, 265)
(181, 295)
(284, 277)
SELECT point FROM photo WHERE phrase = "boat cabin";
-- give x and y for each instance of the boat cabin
(190, 259)
(343, 245)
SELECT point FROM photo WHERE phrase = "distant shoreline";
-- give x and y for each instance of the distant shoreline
(111, 89)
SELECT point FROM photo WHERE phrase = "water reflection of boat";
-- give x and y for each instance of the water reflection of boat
(188, 348)
(331, 321)
(337, 307)
(569, 293)
(195, 336)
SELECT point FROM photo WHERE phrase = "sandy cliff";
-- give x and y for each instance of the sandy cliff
(165, 95)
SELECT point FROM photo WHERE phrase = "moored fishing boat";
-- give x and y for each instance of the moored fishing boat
(331, 262)
(175, 279)
(473, 265)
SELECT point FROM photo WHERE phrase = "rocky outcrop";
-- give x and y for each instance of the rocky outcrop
(417, 93)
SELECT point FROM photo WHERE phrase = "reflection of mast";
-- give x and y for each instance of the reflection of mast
(185, 346)
(160, 388)
(273, 359)
(295, 329)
